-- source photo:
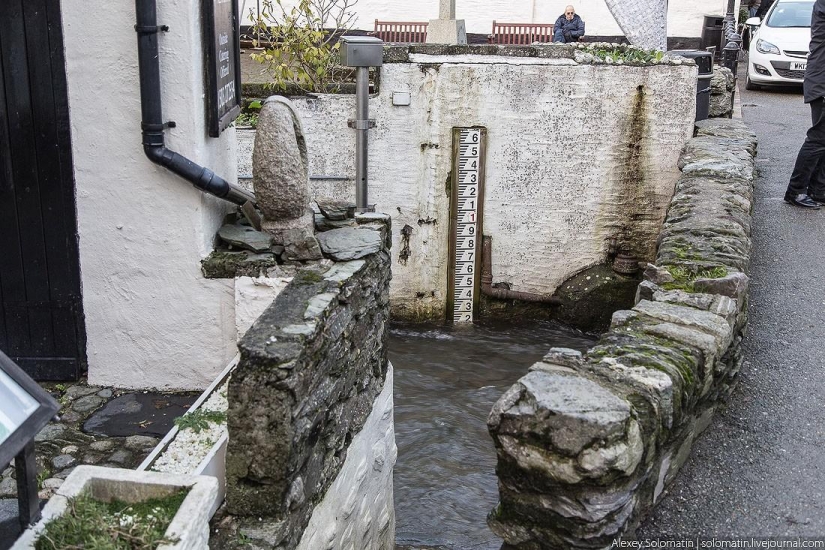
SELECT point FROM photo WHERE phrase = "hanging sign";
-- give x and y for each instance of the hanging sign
(223, 64)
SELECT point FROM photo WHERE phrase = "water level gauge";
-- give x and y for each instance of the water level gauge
(469, 146)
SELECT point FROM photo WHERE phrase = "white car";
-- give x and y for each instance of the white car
(778, 53)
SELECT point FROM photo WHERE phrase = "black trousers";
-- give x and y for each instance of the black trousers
(808, 176)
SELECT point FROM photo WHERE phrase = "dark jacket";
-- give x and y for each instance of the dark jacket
(814, 85)
(575, 26)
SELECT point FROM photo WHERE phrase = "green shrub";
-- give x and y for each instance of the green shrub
(300, 52)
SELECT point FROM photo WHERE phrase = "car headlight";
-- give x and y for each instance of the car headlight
(763, 46)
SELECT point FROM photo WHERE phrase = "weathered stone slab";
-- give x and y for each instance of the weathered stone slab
(246, 237)
(349, 244)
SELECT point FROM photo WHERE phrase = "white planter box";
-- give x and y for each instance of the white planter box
(189, 527)
(214, 461)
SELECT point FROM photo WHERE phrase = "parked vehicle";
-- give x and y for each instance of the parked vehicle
(778, 53)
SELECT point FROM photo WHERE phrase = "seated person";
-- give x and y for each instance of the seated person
(569, 27)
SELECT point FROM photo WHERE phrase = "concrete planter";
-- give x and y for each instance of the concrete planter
(190, 526)
(213, 462)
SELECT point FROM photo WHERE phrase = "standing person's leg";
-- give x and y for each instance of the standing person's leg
(816, 185)
(752, 12)
(808, 160)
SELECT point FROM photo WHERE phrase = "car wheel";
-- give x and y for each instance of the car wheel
(749, 85)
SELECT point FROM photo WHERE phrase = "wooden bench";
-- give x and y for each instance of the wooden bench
(521, 34)
(401, 32)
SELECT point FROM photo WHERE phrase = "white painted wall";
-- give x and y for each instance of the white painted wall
(152, 320)
(358, 509)
(684, 16)
(554, 161)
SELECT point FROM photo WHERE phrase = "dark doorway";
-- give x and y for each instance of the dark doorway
(41, 315)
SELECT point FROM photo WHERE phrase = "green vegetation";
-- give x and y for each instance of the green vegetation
(684, 278)
(307, 277)
(247, 119)
(93, 525)
(42, 476)
(626, 54)
(300, 52)
(199, 420)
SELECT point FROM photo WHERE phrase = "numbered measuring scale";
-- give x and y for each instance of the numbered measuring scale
(469, 146)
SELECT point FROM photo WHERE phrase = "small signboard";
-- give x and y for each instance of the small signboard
(223, 64)
(24, 409)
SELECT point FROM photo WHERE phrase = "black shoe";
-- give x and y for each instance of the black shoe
(816, 198)
(801, 200)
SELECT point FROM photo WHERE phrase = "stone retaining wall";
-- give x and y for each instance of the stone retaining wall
(311, 370)
(586, 444)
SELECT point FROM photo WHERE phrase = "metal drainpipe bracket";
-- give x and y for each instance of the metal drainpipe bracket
(361, 124)
(149, 29)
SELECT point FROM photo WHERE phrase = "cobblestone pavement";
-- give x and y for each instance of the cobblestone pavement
(758, 470)
(98, 426)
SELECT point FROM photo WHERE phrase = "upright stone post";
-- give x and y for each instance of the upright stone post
(446, 29)
(644, 22)
(280, 176)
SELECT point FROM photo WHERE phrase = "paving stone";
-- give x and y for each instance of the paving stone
(121, 456)
(69, 449)
(50, 432)
(53, 483)
(9, 525)
(104, 445)
(63, 461)
(87, 404)
(79, 390)
(63, 474)
(140, 442)
(149, 413)
(8, 487)
(71, 417)
(91, 458)
(105, 394)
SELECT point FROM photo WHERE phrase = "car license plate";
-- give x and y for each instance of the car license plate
(796, 66)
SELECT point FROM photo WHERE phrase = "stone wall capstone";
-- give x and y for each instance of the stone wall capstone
(586, 444)
(310, 371)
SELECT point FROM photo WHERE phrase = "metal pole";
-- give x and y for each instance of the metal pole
(28, 503)
(362, 115)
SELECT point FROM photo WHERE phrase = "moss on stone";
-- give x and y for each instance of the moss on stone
(684, 276)
(307, 277)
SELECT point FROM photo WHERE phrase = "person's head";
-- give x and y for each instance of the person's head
(569, 12)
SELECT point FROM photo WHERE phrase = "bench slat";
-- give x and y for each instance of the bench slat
(521, 33)
(411, 32)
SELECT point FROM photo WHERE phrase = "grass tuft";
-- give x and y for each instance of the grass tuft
(90, 524)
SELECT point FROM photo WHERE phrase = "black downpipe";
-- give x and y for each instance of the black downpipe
(152, 117)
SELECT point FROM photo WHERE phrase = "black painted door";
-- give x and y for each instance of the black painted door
(41, 316)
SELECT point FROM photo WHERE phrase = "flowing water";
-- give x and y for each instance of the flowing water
(446, 381)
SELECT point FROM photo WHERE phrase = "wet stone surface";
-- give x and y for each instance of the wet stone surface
(97, 426)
